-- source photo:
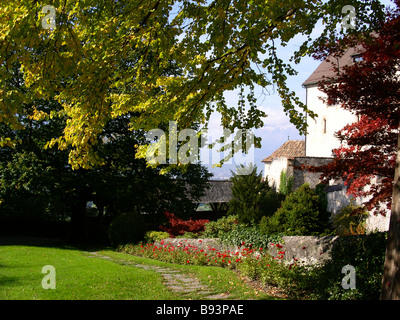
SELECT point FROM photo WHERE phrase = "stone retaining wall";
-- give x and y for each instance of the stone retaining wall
(306, 249)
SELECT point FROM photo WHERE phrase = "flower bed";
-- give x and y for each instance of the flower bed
(197, 252)
(296, 278)
(308, 250)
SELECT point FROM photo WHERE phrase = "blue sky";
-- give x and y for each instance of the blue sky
(277, 127)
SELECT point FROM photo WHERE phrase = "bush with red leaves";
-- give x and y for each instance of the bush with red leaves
(178, 226)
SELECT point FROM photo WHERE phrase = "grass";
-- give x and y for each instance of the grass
(78, 276)
(81, 276)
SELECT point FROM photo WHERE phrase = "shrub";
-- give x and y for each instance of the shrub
(271, 202)
(323, 199)
(127, 228)
(350, 220)
(285, 183)
(248, 193)
(190, 235)
(154, 236)
(248, 236)
(300, 214)
(179, 226)
(215, 229)
(269, 225)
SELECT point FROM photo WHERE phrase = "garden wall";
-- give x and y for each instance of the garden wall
(306, 249)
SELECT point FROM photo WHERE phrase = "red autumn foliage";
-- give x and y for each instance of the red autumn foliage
(179, 226)
(370, 89)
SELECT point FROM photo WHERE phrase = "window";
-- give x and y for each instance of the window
(324, 126)
(357, 57)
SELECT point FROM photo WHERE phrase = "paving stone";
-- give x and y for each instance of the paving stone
(196, 287)
(220, 296)
(168, 276)
(177, 288)
(163, 270)
(188, 280)
(203, 292)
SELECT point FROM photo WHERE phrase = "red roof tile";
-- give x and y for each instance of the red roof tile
(290, 149)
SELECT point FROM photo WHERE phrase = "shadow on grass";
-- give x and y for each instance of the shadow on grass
(8, 281)
(21, 240)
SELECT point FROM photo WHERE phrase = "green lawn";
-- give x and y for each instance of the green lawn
(78, 276)
(81, 276)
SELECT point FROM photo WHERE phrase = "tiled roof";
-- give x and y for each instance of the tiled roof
(328, 68)
(290, 149)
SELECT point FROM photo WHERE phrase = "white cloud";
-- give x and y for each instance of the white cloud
(275, 120)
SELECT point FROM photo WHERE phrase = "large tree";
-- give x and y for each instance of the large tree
(368, 159)
(217, 45)
(38, 184)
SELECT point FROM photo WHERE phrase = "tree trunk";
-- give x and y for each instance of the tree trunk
(391, 274)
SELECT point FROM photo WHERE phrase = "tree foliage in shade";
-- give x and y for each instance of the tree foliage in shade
(39, 184)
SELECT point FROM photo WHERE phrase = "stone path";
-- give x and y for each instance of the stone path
(175, 280)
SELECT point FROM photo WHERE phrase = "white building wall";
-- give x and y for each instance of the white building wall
(375, 222)
(320, 139)
(378, 222)
(273, 169)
